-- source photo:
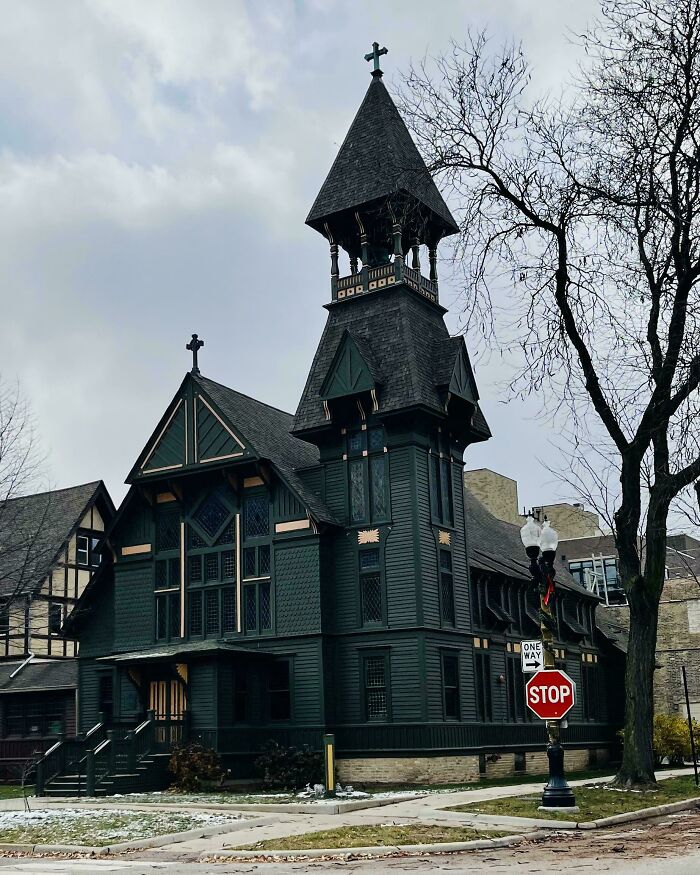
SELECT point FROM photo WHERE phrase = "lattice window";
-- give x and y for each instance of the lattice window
(174, 615)
(357, 491)
(450, 685)
(378, 487)
(195, 613)
(257, 516)
(447, 598)
(376, 439)
(251, 609)
(195, 569)
(168, 531)
(211, 515)
(161, 574)
(265, 606)
(376, 696)
(211, 566)
(369, 560)
(371, 598)
(356, 441)
(228, 536)
(196, 540)
(211, 611)
(161, 617)
(249, 562)
(264, 560)
(228, 609)
(228, 564)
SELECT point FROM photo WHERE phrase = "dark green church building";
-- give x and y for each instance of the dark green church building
(278, 576)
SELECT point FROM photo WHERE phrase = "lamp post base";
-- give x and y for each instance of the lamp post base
(557, 793)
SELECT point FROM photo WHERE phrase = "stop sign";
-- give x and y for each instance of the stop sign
(550, 693)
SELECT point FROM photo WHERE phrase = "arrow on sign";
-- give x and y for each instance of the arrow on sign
(531, 663)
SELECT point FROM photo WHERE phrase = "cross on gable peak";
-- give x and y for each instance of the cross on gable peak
(194, 346)
(374, 55)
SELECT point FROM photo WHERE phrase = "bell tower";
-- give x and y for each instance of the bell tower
(379, 205)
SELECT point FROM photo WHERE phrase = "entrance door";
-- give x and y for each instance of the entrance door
(168, 700)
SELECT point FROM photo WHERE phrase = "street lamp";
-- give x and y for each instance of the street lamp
(541, 544)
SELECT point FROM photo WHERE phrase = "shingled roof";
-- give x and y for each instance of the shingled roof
(39, 675)
(268, 430)
(409, 340)
(34, 529)
(378, 158)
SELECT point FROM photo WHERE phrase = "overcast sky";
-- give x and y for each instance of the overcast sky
(157, 161)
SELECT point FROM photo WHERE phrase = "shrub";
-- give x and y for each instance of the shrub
(289, 768)
(671, 738)
(192, 765)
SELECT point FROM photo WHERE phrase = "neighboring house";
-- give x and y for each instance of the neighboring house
(271, 576)
(590, 556)
(47, 556)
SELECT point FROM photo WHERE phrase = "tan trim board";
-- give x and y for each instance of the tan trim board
(182, 580)
(239, 624)
(136, 549)
(221, 458)
(158, 470)
(248, 482)
(221, 422)
(165, 497)
(293, 525)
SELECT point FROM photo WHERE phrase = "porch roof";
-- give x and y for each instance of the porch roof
(181, 649)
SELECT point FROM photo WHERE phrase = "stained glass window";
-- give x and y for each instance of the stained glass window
(196, 540)
(228, 609)
(228, 563)
(211, 610)
(377, 480)
(228, 536)
(376, 697)
(257, 518)
(369, 559)
(376, 439)
(356, 441)
(195, 613)
(357, 491)
(211, 514)
(371, 587)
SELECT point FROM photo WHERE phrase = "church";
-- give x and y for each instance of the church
(278, 576)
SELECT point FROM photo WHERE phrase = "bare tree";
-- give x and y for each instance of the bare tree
(23, 549)
(579, 238)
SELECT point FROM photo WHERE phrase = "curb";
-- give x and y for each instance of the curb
(375, 851)
(138, 844)
(642, 814)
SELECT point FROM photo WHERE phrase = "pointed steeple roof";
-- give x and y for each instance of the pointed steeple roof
(378, 159)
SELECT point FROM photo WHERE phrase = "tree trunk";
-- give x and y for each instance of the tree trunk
(637, 769)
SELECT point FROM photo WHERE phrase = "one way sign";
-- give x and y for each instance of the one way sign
(531, 656)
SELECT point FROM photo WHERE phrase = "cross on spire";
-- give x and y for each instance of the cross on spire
(374, 55)
(194, 346)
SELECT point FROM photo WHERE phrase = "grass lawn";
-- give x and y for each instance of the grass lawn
(595, 801)
(367, 836)
(75, 826)
(13, 791)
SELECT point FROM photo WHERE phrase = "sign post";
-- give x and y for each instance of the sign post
(531, 656)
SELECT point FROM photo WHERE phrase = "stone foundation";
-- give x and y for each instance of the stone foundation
(409, 770)
(461, 769)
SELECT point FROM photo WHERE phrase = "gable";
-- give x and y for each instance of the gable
(462, 381)
(215, 440)
(349, 373)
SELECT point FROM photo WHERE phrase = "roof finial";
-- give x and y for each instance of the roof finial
(194, 346)
(374, 56)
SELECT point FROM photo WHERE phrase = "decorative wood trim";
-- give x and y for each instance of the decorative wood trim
(368, 536)
(182, 672)
(136, 549)
(249, 482)
(165, 497)
(155, 443)
(182, 580)
(292, 525)
(444, 538)
(187, 449)
(239, 600)
(220, 458)
(221, 422)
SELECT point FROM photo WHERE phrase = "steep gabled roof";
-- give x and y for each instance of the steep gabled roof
(377, 159)
(39, 676)
(268, 430)
(35, 528)
(407, 339)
